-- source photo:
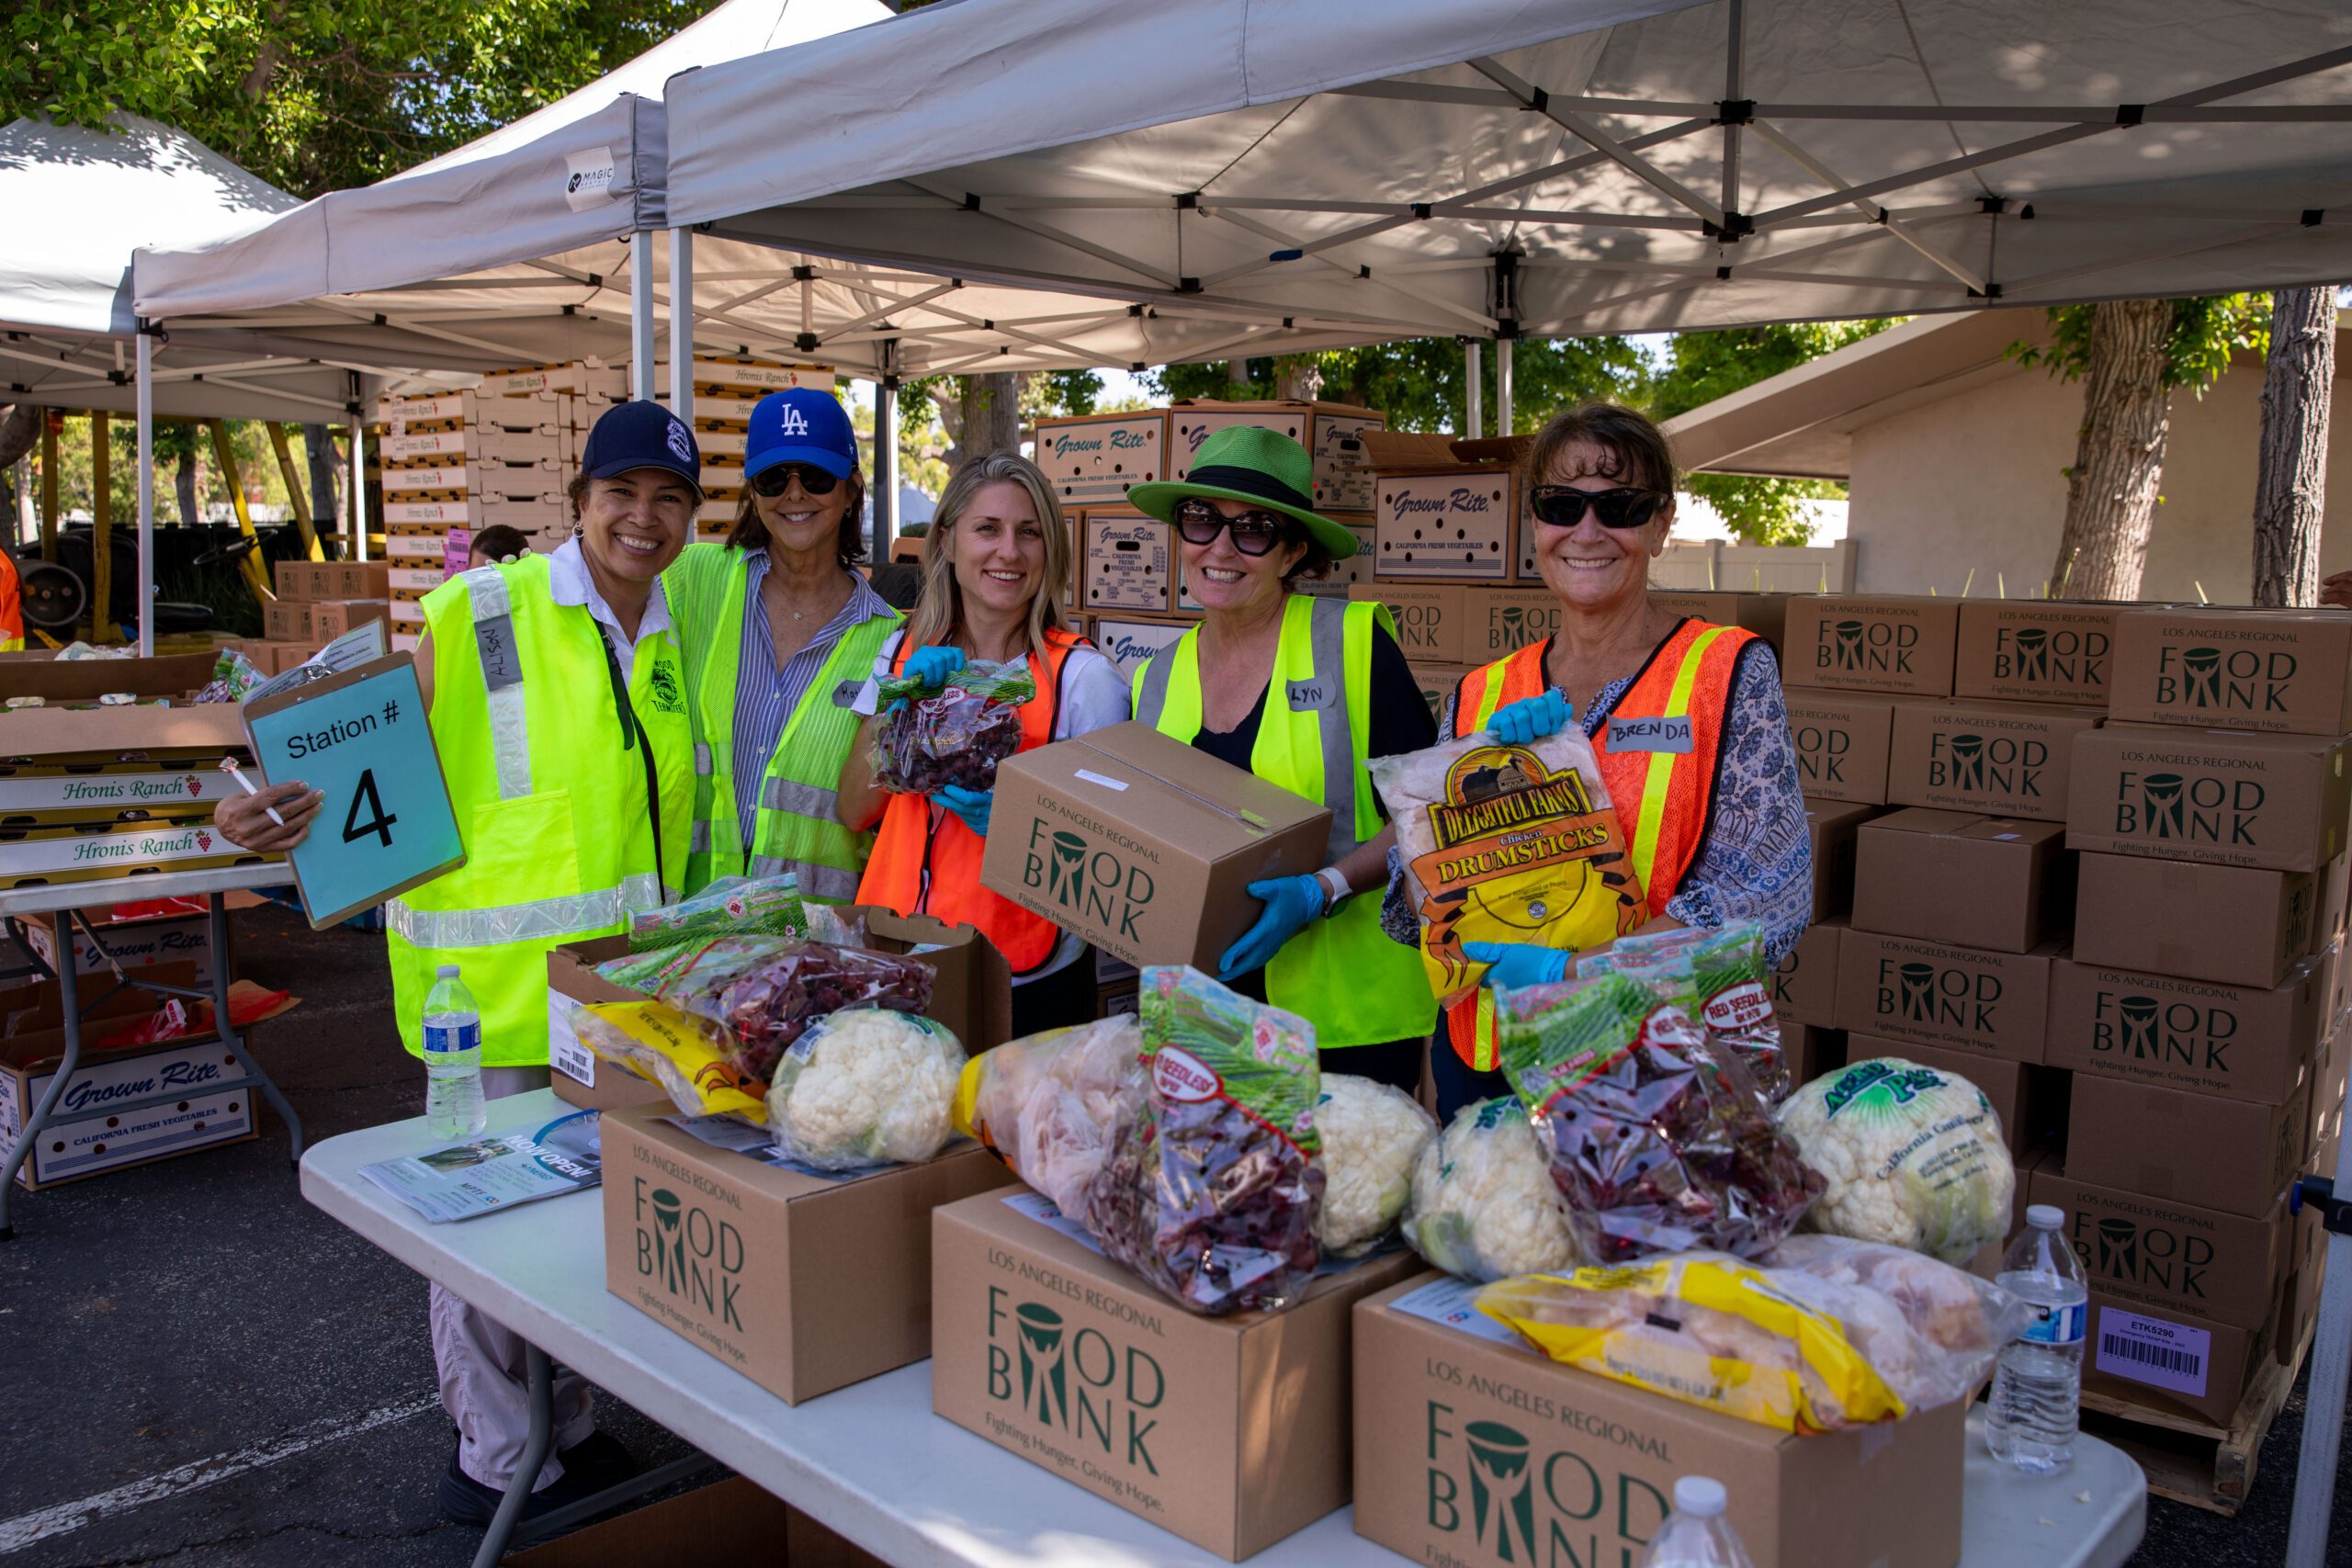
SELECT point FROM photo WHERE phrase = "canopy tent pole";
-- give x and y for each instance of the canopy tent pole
(1502, 386)
(681, 324)
(101, 524)
(1474, 393)
(146, 406)
(48, 424)
(358, 511)
(641, 385)
(886, 458)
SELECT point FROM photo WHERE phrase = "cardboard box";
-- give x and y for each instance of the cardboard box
(136, 943)
(1231, 1432)
(2170, 1361)
(1474, 1452)
(2153, 1252)
(1990, 881)
(1439, 683)
(2288, 670)
(2021, 1095)
(1455, 523)
(1966, 1000)
(1095, 458)
(2168, 1143)
(1804, 988)
(286, 620)
(1430, 618)
(1143, 845)
(187, 788)
(1869, 643)
(1765, 614)
(1331, 432)
(329, 618)
(1127, 562)
(1129, 644)
(2035, 650)
(2231, 924)
(1843, 741)
(297, 579)
(2245, 1043)
(804, 1283)
(2334, 895)
(1497, 621)
(2226, 797)
(1810, 1051)
(1832, 825)
(2002, 758)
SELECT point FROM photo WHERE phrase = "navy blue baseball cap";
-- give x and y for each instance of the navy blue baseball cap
(642, 436)
(801, 425)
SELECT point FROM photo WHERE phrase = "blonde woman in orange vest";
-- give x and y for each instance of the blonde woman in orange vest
(995, 565)
(1715, 819)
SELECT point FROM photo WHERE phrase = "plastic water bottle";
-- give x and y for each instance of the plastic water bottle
(2038, 1386)
(1696, 1535)
(453, 1102)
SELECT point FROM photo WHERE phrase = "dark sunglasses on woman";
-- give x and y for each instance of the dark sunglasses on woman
(814, 481)
(1254, 532)
(1563, 506)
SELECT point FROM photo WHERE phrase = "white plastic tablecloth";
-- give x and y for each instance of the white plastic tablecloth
(874, 1463)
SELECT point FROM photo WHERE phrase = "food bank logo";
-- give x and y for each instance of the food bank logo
(1968, 763)
(2150, 1255)
(1859, 647)
(1502, 1491)
(2213, 680)
(1523, 1507)
(696, 1259)
(1087, 880)
(2050, 656)
(1934, 997)
(2180, 1033)
(1099, 1393)
(1045, 1379)
(2198, 808)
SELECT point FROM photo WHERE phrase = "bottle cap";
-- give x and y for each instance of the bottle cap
(1699, 1495)
(446, 972)
(2045, 1216)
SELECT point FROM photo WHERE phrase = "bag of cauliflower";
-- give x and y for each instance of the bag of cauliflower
(865, 1085)
(1507, 843)
(1914, 1157)
(1373, 1134)
(1484, 1205)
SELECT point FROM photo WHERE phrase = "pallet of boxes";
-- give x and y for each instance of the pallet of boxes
(108, 771)
(317, 602)
(726, 386)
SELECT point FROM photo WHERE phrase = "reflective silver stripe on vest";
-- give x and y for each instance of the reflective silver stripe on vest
(510, 728)
(1326, 642)
(702, 759)
(700, 844)
(827, 881)
(1154, 700)
(542, 920)
(799, 799)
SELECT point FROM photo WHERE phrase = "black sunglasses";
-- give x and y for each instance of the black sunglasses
(1254, 532)
(773, 482)
(1563, 506)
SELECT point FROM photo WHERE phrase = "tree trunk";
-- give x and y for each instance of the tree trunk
(20, 428)
(1298, 377)
(318, 455)
(2120, 453)
(2291, 477)
(1237, 373)
(990, 418)
(184, 483)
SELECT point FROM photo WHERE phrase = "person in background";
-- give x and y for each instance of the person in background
(1716, 827)
(495, 545)
(2335, 591)
(781, 635)
(570, 772)
(12, 606)
(995, 565)
(1299, 690)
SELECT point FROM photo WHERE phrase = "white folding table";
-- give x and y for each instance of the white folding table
(872, 1463)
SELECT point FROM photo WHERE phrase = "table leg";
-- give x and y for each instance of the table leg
(69, 1007)
(541, 1437)
(235, 1041)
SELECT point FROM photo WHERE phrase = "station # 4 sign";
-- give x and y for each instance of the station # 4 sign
(361, 740)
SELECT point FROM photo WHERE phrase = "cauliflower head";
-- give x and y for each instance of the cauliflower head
(865, 1086)
(1483, 1204)
(1914, 1156)
(1372, 1134)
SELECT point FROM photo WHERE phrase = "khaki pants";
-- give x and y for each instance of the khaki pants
(483, 1385)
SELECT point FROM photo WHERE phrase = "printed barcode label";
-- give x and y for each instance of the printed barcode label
(2154, 1350)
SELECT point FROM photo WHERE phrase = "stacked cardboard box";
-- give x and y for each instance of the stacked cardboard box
(316, 603)
(726, 386)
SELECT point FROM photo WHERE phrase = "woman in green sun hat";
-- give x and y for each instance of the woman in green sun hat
(1299, 690)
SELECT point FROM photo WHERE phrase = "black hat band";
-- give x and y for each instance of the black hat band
(1248, 482)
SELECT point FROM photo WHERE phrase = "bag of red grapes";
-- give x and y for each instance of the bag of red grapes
(1721, 978)
(953, 733)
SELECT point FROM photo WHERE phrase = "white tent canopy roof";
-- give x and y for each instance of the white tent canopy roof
(1645, 166)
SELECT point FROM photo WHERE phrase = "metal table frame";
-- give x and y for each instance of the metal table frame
(70, 902)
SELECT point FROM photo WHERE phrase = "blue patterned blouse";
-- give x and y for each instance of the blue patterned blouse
(1756, 861)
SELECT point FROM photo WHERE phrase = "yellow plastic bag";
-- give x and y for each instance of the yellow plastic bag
(665, 1046)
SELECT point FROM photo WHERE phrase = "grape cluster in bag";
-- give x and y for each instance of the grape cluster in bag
(954, 733)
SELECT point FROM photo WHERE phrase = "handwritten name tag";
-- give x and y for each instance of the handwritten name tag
(1306, 696)
(1650, 735)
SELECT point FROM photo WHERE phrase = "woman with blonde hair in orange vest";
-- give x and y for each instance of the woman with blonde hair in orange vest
(995, 565)
(1714, 815)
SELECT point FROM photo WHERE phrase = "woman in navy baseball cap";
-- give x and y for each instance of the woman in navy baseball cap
(781, 633)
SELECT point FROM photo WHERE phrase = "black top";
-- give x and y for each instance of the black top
(1400, 720)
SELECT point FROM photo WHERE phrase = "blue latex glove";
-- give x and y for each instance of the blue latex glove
(1515, 964)
(970, 806)
(930, 667)
(1531, 718)
(1291, 902)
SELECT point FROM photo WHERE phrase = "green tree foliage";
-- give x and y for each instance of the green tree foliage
(312, 94)
(1419, 382)
(2205, 333)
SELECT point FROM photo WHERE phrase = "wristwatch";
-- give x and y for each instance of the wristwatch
(1336, 890)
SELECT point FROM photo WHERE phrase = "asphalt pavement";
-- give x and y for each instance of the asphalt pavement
(200, 1369)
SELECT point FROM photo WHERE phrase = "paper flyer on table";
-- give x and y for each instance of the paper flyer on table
(466, 1180)
(355, 647)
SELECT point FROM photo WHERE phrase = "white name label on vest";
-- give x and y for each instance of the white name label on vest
(1306, 696)
(1650, 735)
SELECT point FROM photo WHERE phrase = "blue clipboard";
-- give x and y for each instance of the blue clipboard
(362, 740)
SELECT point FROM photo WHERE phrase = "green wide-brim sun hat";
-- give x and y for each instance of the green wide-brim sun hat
(1259, 468)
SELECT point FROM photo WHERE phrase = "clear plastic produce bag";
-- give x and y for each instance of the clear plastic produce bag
(1658, 1141)
(1484, 1205)
(951, 734)
(755, 995)
(1373, 1134)
(1719, 977)
(1049, 1105)
(865, 1086)
(675, 1051)
(732, 906)
(1914, 1157)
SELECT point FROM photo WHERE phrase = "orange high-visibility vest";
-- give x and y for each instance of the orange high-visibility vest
(1662, 798)
(12, 607)
(920, 867)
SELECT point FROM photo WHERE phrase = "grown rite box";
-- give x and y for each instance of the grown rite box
(2002, 758)
(2249, 1042)
(2168, 1143)
(2169, 1255)
(2227, 797)
(1231, 1432)
(1965, 999)
(1869, 643)
(804, 1283)
(2271, 670)
(2035, 650)
(1990, 881)
(1472, 1451)
(1142, 845)
(2233, 925)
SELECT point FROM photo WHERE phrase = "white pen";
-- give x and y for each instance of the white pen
(229, 766)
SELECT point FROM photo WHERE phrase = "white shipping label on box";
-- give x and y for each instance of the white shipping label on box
(134, 945)
(1129, 645)
(127, 792)
(81, 1148)
(1454, 1302)
(565, 1054)
(1443, 526)
(1127, 563)
(2154, 1350)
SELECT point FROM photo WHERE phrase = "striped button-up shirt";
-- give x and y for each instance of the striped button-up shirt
(766, 696)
